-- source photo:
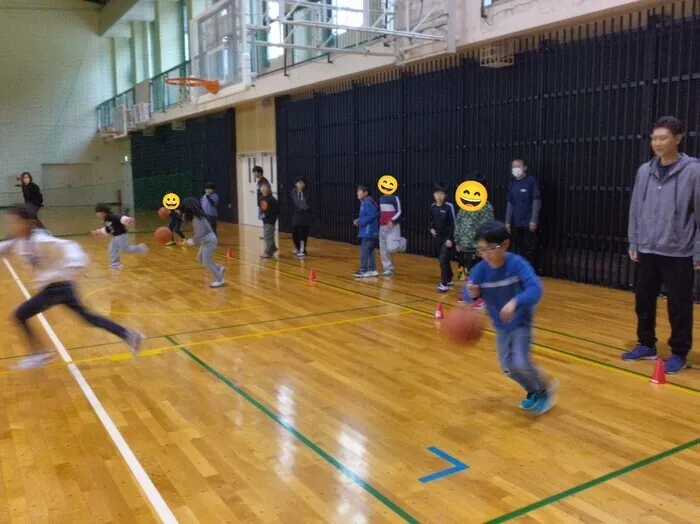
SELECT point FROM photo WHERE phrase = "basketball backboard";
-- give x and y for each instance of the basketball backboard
(217, 43)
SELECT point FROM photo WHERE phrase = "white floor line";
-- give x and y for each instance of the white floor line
(154, 497)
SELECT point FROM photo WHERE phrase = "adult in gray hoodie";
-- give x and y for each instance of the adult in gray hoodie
(665, 243)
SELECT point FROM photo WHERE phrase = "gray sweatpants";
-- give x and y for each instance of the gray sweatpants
(269, 236)
(206, 255)
(120, 244)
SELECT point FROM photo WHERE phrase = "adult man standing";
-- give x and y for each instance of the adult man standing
(664, 243)
(523, 210)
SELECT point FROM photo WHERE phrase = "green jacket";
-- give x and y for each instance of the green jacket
(467, 223)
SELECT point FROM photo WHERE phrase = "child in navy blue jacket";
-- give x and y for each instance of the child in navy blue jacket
(511, 290)
(368, 224)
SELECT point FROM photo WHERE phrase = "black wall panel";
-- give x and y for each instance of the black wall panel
(578, 108)
(204, 152)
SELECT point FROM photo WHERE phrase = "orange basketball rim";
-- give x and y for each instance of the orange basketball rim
(190, 81)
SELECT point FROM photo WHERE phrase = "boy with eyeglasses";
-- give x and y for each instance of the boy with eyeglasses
(511, 290)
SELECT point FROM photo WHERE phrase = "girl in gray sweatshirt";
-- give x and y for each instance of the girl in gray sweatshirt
(204, 237)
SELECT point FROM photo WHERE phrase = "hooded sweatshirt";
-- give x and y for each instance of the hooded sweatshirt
(663, 210)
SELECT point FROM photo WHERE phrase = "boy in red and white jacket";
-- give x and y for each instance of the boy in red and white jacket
(389, 227)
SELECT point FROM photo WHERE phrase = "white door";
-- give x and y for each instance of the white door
(250, 187)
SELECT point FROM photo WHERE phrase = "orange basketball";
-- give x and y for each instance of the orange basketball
(463, 326)
(163, 235)
(163, 213)
(263, 205)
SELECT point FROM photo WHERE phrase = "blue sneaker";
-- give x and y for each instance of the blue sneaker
(640, 352)
(675, 364)
(543, 403)
(529, 401)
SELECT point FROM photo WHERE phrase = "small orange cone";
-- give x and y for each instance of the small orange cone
(659, 376)
(312, 276)
(439, 313)
(229, 254)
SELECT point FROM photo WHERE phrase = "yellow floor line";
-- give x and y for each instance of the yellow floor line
(157, 351)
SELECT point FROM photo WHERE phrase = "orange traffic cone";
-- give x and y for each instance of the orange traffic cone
(312, 276)
(659, 376)
(229, 254)
(439, 314)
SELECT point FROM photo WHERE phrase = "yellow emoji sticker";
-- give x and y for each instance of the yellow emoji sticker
(471, 196)
(388, 185)
(171, 201)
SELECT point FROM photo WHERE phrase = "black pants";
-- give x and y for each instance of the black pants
(176, 227)
(212, 222)
(678, 276)
(445, 257)
(300, 234)
(61, 293)
(525, 243)
(467, 260)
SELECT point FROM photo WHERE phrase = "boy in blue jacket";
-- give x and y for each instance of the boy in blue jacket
(511, 290)
(368, 224)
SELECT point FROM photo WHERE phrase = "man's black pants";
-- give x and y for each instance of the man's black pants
(525, 243)
(677, 274)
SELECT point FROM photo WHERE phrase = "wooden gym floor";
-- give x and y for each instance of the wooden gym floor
(275, 400)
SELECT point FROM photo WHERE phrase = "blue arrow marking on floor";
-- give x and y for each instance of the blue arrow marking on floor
(457, 466)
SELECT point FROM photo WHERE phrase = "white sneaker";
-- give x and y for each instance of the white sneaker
(295, 251)
(360, 274)
(372, 274)
(34, 361)
(218, 283)
(134, 341)
(116, 266)
(143, 248)
(388, 272)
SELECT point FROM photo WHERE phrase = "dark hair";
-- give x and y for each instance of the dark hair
(257, 169)
(265, 184)
(210, 185)
(674, 125)
(190, 208)
(25, 211)
(300, 179)
(363, 187)
(102, 208)
(492, 232)
(519, 159)
(31, 178)
(439, 188)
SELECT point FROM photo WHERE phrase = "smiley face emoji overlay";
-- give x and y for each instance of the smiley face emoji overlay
(171, 201)
(471, 196)
(387, 185)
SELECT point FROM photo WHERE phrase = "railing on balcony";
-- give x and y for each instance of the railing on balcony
(106, 110)
(163, 95)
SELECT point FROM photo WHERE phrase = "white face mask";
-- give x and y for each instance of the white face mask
(517, 172)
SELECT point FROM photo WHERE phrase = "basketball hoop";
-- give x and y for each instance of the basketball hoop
(189, 86)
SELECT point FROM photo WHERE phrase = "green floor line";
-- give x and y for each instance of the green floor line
(428, 313)
(299, 436)
(592, 483)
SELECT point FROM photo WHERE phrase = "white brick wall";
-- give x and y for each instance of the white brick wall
(54, 71)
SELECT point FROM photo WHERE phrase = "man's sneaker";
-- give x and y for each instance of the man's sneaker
(675, 364)
(295, 251)
(640, 352)
(116, 266)
(543, 403)
(218, 283)
(301, 254)
(34, 361)
(479, 304)
(451, 283)
(388, 272)
(360, 274)
(143, 248)
(529, 401)
(134, 340)
(442, 288)
(372, 274)
(266, 255)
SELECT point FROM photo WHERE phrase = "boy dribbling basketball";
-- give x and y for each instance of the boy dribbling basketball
(511, 290)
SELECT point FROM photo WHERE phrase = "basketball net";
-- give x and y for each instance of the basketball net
(188, 97)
